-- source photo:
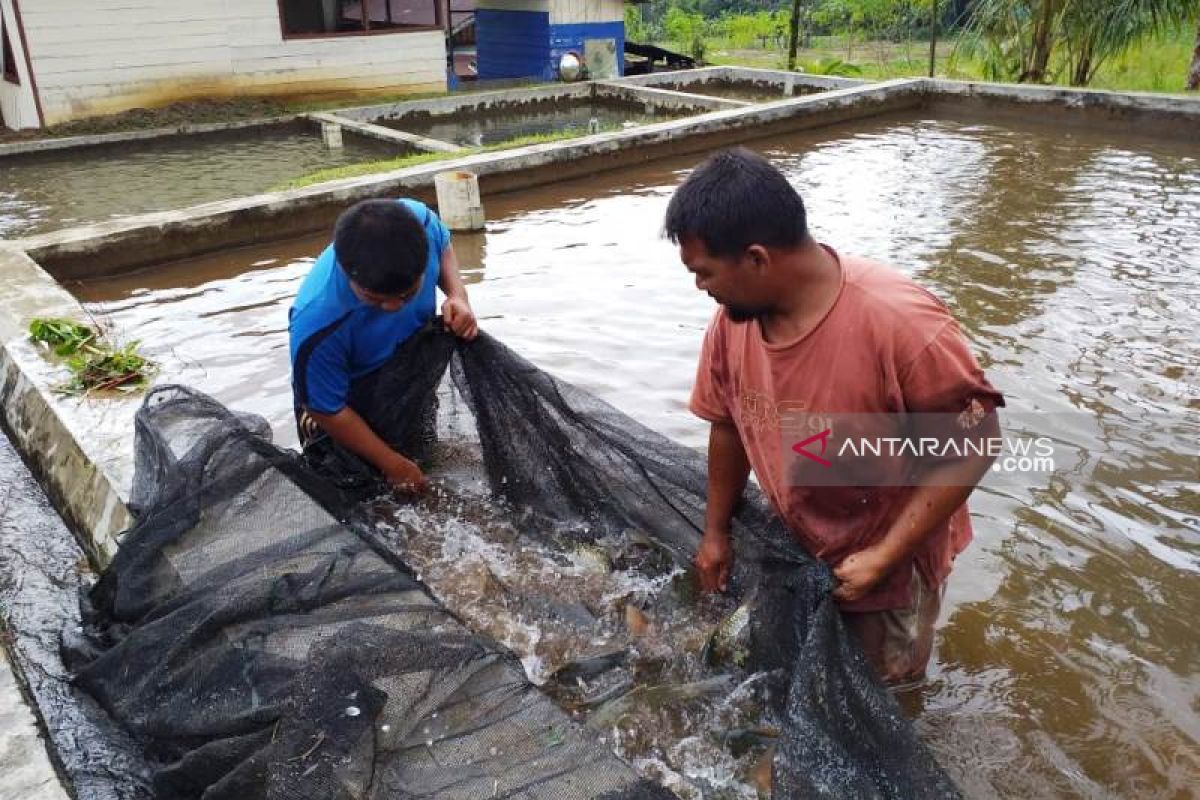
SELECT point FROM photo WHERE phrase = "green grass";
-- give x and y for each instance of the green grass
(1154, 65)
(365, 168)
(419, 159)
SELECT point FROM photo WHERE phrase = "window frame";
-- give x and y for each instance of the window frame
(11, 72)
(439, 10)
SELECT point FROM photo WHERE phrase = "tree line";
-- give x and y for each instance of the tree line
(1026, 41)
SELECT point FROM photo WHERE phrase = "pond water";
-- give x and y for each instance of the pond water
(48, 191)
(478, 129)
(1068, 659)
(751, 91)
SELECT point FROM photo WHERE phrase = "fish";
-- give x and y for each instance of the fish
(592, 559)
(740, 741)
(590, 665)
(584, 697)
(657, 697)
(729, 643)
(761, 777)
(636, 620)
(636, 551)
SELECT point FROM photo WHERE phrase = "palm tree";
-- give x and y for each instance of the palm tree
(1021, 36)
(1097, 30)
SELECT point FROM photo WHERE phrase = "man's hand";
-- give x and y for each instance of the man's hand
(714, 560)
(459, 318)
(405, 476)
(859, 573)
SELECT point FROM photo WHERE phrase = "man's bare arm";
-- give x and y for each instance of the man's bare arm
(940, 492)
(351, 431)
(456, 311)
(728, 470)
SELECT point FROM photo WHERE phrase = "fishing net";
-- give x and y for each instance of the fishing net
(261, 638)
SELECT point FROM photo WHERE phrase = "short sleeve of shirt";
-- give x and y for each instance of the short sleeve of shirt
(436, 231)
(709, 394)
(439, 234)
(944, 377)
(321, 372)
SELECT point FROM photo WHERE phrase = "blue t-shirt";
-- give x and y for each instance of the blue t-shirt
(335, 337)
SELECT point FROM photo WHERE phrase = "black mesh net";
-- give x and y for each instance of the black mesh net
(262, 638)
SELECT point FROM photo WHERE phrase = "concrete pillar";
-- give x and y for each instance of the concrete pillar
(331, 134)
(458, 200)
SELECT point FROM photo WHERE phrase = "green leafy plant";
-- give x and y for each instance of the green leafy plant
(831, 66)
(65, 337)
(95, 364)
(123, 369)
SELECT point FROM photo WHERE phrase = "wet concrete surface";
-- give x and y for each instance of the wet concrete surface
(24, 761)
(41, 572)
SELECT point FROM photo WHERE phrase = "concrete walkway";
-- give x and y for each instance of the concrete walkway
(25, 769)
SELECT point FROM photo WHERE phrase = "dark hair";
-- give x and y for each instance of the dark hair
(381, 245)
(735, 199)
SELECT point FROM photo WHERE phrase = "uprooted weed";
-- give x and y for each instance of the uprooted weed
(95, 363)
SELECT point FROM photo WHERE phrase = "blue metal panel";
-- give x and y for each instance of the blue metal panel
(512, 44)
(568, 38)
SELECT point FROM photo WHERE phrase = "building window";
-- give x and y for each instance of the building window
(6, 55)
(308, 18)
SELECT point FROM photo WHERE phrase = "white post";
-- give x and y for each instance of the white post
(789, 85)
(331, 134)
(458, 200)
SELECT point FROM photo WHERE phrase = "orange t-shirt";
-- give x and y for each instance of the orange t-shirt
(887, 346)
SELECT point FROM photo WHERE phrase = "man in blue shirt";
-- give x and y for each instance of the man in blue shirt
(368, 292)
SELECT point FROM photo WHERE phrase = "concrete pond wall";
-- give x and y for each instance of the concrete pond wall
(81, 449)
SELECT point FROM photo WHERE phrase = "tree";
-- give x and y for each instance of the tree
(1194, 74)
(686, 29)
(1094, 32)
(636, 29)
(1019, 37)
(933, 32)
(794, 35)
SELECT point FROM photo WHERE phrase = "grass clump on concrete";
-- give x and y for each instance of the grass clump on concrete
(416, 160)
(366, 168)
(63, 336)
(95, 363)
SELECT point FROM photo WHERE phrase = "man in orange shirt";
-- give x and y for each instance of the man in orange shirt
(803, 328)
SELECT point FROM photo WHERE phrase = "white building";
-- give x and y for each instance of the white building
(66, 59)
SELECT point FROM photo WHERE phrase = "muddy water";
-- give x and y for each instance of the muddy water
(614, 632)
(751, 91)
(1068, 663)
(477, 130)
(54, 190)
